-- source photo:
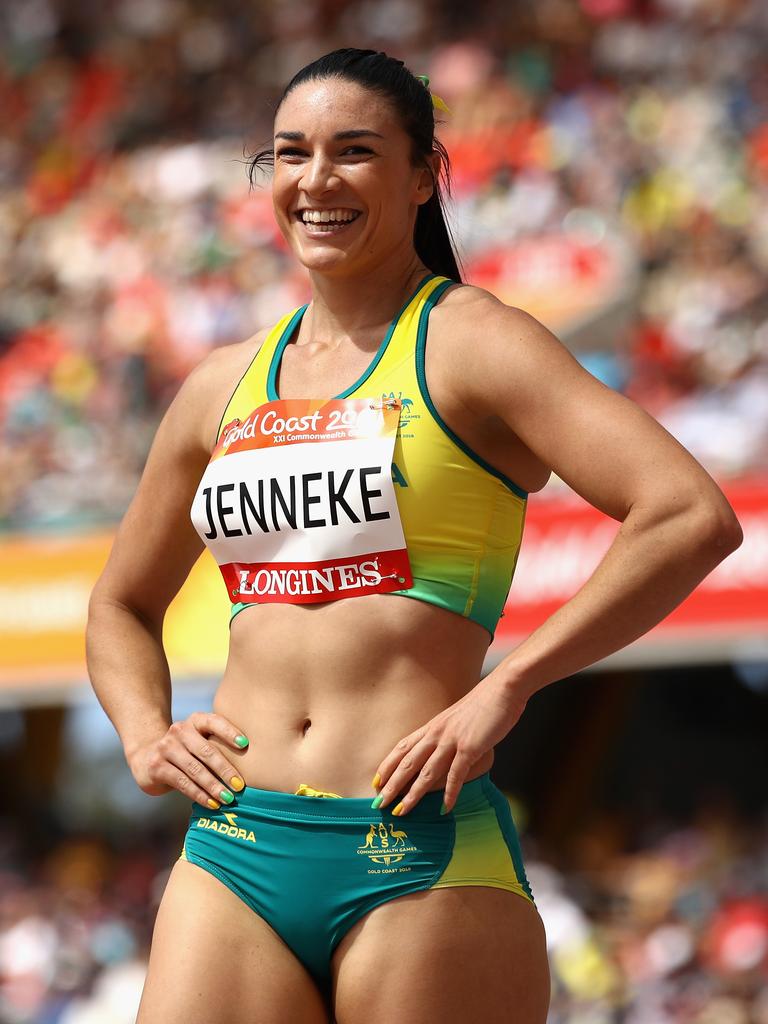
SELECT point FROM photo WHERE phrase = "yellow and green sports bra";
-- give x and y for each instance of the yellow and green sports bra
(462, 519)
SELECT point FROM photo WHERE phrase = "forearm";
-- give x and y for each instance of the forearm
(651, 566)
(129, 672)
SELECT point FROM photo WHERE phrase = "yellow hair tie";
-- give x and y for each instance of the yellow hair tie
(436, 100)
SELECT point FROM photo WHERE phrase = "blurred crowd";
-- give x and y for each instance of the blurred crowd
(673, 931)
(130, 243)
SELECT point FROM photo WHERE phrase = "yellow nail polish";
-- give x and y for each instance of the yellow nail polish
(376, 781)
(396, 810)
(236, 783)
(213, 805)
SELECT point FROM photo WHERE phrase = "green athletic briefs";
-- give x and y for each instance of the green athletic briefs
(312, 866)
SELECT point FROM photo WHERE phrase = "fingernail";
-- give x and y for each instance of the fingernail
(376, 781)
(241, 741)
(377, 801)
(213, 804)
(443, 808)
(226, 796)
(236, 783)
(398, 809)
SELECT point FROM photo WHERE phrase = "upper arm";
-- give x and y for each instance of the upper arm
(601, 443)
(156, 544)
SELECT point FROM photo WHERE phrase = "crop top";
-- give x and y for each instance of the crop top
(460, 520)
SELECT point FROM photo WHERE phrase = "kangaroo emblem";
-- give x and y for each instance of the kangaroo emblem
(369, 837)
(400, 837)
(380, 846)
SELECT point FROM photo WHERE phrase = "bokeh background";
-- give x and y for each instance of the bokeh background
(610, 170)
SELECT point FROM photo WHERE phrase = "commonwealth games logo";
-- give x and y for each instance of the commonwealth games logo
(386, 845)
(406, 407)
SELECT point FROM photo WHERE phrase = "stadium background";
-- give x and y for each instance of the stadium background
(610, 165)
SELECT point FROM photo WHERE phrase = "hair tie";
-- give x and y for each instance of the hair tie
(436, 100)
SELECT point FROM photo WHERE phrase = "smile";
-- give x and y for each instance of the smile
(317, 223)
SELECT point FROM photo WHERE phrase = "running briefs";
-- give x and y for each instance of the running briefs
(312, 866)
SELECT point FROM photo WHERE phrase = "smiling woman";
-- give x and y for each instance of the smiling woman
(407, 105)
(415, 416)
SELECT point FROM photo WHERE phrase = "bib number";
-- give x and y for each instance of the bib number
(297, 504)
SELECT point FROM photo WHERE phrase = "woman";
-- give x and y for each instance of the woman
(297, 903)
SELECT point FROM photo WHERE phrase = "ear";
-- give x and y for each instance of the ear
(428, 176)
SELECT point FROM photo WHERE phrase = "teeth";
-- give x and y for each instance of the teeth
(325, 216)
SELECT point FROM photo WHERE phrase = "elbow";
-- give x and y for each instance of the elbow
(103, 604)
(719, 530)
(99, 600)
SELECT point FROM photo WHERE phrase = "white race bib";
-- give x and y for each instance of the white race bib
(297, 503)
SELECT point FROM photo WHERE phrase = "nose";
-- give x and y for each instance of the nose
(319, 176)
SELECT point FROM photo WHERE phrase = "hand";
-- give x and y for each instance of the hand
(444, 750)
(184, 759)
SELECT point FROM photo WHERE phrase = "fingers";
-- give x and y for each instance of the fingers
(186, 760)
(210, 724)
(430, 763)
(457, 776)
(216, 763)
(396, 758)
(422, 759)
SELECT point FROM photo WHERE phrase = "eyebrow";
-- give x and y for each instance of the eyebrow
(351, 133)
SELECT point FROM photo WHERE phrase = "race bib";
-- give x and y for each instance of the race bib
(297, 503)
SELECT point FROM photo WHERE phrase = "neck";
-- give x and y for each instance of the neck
(345, 307)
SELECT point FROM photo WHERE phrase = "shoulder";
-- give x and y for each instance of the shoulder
(465, 308)
(202, 397)
(220, 365)
(467, 305)
(496, 351)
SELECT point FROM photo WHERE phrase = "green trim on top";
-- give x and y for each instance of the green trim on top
(273, 364)
(285, 337)
(421, 376)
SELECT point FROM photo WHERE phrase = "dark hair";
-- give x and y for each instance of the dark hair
(411, 99)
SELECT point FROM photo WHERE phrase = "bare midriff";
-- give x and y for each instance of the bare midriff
(324, 692)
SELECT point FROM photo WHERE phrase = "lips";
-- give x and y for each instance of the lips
(315, 227)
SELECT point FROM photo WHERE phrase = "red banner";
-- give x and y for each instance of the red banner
(565, 538)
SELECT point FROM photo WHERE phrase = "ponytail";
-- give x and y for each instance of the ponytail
(432, 238)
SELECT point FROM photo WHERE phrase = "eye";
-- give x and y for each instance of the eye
(292, 151)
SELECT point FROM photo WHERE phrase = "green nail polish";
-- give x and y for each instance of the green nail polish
(241, 741)
(377, 801)
(443, 808)
(226, 796)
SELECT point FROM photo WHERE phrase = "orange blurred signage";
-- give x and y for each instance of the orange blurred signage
(45, 583)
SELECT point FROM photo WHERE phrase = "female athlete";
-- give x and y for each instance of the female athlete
(348, 857)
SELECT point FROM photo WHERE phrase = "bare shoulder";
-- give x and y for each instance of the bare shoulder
(507, 365)
(208, 387)
(468, 306)
(156, 529)
(481, 337)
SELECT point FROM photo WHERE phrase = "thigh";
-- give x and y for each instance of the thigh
(467, 953)
(214, 961)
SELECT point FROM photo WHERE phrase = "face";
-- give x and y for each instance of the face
(340, 151)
